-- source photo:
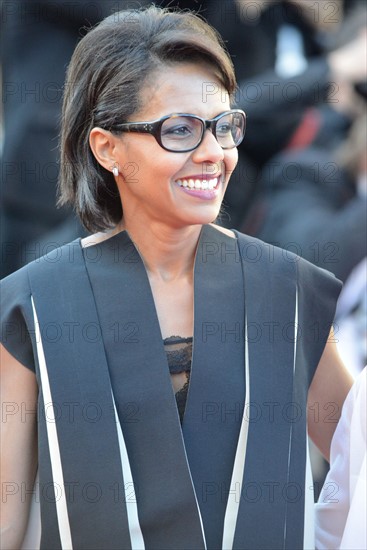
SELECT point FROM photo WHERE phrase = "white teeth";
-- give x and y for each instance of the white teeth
(198, 184)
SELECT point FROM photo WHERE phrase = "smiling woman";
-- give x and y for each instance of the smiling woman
(138, 53)
(177, 357)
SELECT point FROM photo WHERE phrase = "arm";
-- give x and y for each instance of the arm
(18, 447)
(326, 396)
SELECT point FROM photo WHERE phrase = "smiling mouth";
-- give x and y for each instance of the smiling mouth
(199, 184)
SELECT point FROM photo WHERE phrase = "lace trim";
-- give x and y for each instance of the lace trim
(179, 357)
(177, 340)
(179, 354)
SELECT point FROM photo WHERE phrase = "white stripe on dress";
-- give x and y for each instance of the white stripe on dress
(309, 520)
(53, 443)
(196, 500)
(291, 428)
(136, 536)
(184, 448)
(234, 495)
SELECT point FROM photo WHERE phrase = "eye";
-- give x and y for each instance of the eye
(224, 128)
(179, 130)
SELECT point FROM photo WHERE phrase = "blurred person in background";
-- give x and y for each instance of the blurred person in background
(313, 201)
(351, 314)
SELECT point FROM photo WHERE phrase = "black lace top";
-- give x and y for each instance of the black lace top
(179, 352)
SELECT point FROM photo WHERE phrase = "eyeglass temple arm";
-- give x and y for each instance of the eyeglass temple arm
(141, 127)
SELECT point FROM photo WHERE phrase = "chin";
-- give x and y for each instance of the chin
(209, 217)
(202, 214)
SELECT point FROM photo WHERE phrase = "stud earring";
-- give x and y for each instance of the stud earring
(115, 171)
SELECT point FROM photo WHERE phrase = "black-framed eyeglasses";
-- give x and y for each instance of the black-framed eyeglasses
(182, 132)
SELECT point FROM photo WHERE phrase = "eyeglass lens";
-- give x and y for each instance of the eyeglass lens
(185, 132)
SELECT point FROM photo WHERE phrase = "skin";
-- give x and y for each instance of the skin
(326, 396)
(156, 210)
(19, 392)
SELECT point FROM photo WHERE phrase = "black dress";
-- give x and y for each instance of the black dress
(117, 469)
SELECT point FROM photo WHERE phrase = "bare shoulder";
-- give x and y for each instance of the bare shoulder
(227, 232)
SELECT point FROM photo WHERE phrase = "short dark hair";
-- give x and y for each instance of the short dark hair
(106, 73)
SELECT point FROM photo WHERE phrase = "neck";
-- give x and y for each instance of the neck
(168, 253)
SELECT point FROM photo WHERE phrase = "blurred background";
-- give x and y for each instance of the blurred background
(301, 178)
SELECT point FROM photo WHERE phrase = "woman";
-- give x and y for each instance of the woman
(148, 145)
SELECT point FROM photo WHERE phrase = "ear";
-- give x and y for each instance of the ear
(104, 147)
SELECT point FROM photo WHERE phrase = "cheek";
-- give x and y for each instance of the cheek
(166, 165)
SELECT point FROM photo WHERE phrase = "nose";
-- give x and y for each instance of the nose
(209, 150)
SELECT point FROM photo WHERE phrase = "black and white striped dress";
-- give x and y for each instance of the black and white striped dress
(117, 469)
